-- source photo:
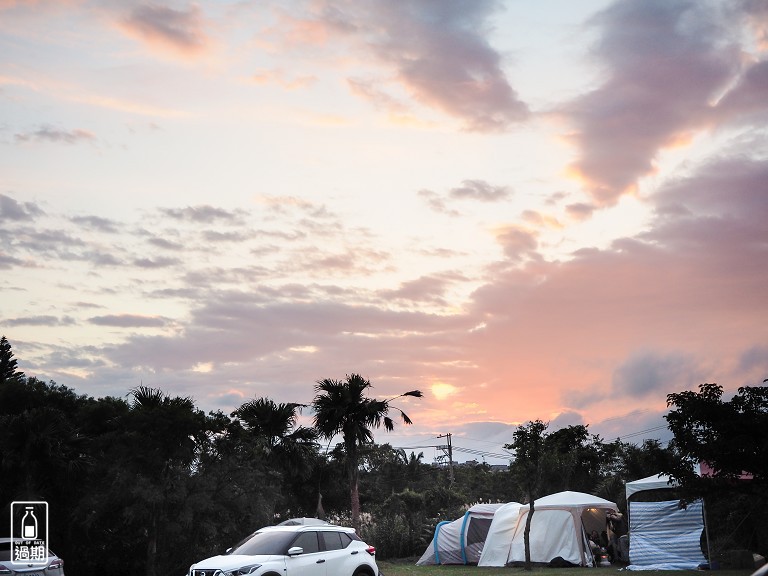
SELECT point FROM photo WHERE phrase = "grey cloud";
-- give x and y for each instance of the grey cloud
(13, 211)
(748, 98)
(580, 399)
(8, 262)
(45, 320)
(181, 29)
(97, 223)
(649, 373)
(240, 328)
(218, 276)
(74, 358)
(160, 262)
(634, 427)
(430, 288)
(565, 419)
(165, 244)
(439, 52)
(580, 210)
(129, 321)
(99, 258)
(437, 202)
(755, 359)
(218, 236)
(518, 244)
(51, 134)
(204, 214)
(480, 190)
(725, 197)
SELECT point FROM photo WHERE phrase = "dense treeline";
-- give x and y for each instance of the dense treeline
(149, 483)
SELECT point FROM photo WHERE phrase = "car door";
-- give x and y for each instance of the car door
(339, 560)
(311, 562)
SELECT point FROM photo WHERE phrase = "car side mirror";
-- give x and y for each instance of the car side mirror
(295, 551)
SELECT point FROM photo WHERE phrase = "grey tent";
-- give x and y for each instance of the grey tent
(460, 541)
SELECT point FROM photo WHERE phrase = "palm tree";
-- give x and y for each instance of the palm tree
(288, 446)
(341, 407)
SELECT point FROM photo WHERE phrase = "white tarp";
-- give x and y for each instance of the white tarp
(460, 541)
(558, 529)
(664, 536)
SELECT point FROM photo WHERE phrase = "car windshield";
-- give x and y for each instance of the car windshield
(265, 543)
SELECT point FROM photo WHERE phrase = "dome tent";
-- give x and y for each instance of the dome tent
(559, 528)
(460, 541)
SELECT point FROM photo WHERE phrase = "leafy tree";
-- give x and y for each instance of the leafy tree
(576, 456)
(152, 447)
(730, 436)
(342, 407)
(622, 462)
(529, 442)
(289, 449)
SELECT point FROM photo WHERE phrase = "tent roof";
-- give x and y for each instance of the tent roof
(652, 482)
(488, 509)
(570, 499)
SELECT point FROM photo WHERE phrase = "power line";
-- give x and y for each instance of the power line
(641, 432)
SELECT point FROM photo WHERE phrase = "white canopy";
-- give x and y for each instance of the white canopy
(652, 482)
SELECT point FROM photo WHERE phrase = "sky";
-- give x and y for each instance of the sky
(554, 210)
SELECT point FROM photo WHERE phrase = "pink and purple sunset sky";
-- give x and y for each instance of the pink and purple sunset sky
(553, 210)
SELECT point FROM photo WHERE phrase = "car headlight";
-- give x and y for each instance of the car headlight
(250, 569)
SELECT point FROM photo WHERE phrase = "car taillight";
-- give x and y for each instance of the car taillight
(57, 564)
(371, 550)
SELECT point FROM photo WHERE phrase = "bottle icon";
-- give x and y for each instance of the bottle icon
(29, 525)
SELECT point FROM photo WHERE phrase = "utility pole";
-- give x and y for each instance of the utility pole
(447, 452)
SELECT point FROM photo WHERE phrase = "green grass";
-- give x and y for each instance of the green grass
(408, 568)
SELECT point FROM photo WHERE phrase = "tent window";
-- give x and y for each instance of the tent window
(478, 530)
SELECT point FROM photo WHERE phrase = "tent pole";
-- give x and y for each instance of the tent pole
(706, 532)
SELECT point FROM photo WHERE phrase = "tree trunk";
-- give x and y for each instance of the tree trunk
(354, 497)
(527, 535)
(152, 543)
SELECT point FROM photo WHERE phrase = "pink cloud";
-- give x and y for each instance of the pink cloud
(664, 62)
(437, 51)
(167, 30)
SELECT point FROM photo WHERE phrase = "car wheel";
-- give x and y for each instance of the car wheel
(363, 572)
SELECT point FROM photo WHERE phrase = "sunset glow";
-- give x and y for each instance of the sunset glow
(523, 211)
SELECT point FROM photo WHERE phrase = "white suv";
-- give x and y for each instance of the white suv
(294, 551)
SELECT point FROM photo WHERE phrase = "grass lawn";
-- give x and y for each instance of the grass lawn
(408, 568)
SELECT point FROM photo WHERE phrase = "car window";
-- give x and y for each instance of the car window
(308, 541)
(346, 539)
(266, 543)
(332, 540)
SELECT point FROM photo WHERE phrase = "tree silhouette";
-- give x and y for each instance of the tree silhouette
(8, 363)
(342, 408)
